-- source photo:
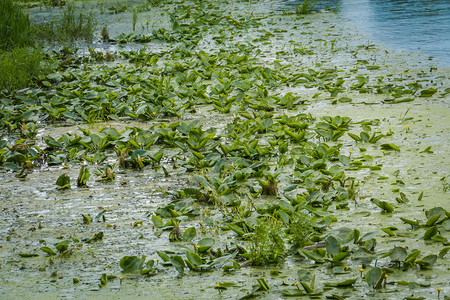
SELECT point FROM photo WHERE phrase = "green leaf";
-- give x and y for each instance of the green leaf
(443, 252)
(410, 222)
(131, 263)
(398, 254)
(99, 215)
(97, 237)
(428, 92)
(432, 231)
(263, 284)
(226, 258)
(205, 244)
(83, 176)
(194, 258)
(311, 255)
(163, 255)
(189, 234)
(412, 257)
(385, 206)
(11, 166)
(62, 246)
(284, 216)
(427, 261)
(344, 283)
(354, 136)
(432, 220)
(86, 219)
(446, 224)
(48, 250)
(63, 181)
(178, 263)
(374, 276)
(306, 287)
(236, 229)
(292, 292)
(340, 256)
(332, 245)
(390, 147)
(364, 136)
(157, 221)
(436, 211)
(28, 254)
(388, 231)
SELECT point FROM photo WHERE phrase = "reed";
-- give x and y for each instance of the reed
(15, 26)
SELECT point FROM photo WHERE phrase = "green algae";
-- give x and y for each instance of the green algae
(40, 215)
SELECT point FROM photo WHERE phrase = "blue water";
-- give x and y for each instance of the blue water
(412, 25)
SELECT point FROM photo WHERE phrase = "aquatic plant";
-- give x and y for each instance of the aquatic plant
(209, 178)
(300, 229)
(134, 20)
(306, 7)
(73, 24)
(267, 244)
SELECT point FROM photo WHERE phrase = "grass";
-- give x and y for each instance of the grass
(15, 26)
(18, 67)
(18, 63)
(306, 7)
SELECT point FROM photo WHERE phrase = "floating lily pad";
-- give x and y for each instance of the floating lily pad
(131, 263)
(205, 244)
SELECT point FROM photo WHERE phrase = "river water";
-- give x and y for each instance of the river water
(411, 25)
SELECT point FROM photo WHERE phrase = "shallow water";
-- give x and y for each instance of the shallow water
(411, 25)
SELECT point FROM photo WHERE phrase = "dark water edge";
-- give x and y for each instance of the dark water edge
(411, 25)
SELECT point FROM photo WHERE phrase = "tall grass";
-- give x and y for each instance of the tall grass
(15, 26)
(73, 24)
(18, 67)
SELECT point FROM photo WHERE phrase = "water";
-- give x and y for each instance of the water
(413, 25)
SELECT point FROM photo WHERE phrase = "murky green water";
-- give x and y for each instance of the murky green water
(34, 213)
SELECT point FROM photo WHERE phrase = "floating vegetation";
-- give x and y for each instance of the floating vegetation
(212, 149)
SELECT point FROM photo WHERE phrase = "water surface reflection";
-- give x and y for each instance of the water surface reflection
(413, 25)
(417, 25)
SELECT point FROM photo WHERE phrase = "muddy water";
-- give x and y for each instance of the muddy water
(35, 214)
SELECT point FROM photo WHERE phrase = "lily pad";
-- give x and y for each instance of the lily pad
(131, 263)
(205, 244)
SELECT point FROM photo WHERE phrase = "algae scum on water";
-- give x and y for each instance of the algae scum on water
(198, 149)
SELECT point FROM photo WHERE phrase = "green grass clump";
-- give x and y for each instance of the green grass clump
(15, 26)
(73, 24)
(18, 67)
(306, 7)
(300, 229)
(267, 243)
